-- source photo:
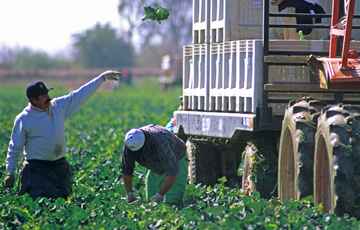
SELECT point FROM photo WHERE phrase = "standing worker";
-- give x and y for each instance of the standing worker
(39, 132)
(163, 154)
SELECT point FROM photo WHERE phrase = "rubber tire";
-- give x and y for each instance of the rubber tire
(260, 168)
(296, 150)
(337, 160)
(204, 163)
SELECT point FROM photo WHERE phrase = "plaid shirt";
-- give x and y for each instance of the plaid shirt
(162, 154)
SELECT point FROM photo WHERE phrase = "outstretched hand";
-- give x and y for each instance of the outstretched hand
(111, 75)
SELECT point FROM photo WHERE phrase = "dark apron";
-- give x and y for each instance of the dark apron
(52, 179)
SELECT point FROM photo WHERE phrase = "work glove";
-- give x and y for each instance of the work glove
(130, 197)
(9, 181)
(111, 75)
(157, 197)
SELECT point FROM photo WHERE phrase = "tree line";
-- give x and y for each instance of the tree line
(136, 44)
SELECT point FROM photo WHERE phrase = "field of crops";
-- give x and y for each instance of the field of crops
(95, 140)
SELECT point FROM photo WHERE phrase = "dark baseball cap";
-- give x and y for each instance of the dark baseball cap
(36, 88)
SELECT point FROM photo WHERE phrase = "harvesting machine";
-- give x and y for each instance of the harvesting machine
(274, 90)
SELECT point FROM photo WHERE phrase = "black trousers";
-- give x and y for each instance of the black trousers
(52, 179)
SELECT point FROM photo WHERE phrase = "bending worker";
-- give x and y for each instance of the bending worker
(163, 154)
(39, 133)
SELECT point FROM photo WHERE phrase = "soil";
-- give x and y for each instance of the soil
(71, 78)
(71, 84)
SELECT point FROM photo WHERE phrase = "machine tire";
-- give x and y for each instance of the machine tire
(296, 150)
(204, 166)
(260, 168)
(337, 160)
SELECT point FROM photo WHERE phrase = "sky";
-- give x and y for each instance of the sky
(47, 25)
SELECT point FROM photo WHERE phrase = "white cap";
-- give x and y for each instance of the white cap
(135, 139)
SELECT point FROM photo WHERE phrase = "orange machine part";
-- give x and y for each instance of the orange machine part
(344, 72)
(337, 73)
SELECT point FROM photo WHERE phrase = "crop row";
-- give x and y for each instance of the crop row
(95, 139)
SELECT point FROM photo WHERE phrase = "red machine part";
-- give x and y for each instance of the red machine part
(336, 72)
(342, 69)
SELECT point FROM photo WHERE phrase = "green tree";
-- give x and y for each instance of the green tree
(100, 47)
(176, 31)
(28, 59)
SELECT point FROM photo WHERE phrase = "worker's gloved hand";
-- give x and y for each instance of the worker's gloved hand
(111, 75)
(130, 197)
(9, 181)
(157, 197)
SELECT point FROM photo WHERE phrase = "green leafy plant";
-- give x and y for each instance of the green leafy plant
(159, 14)
(95, 135)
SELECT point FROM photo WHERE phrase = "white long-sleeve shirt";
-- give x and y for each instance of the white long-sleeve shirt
(41, 135)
